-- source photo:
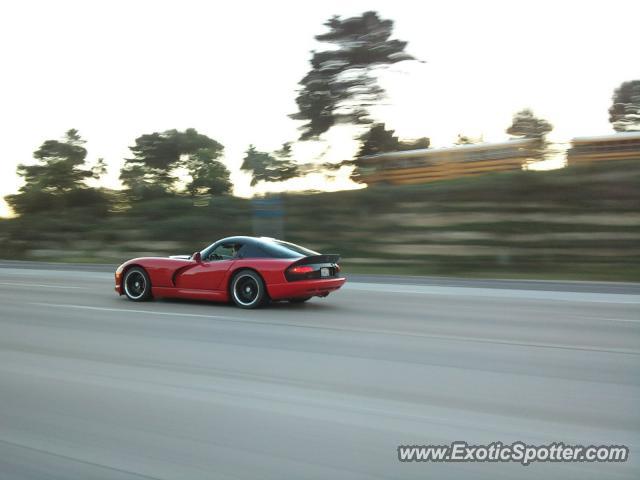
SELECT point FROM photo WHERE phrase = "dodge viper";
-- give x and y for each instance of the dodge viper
(250, 271)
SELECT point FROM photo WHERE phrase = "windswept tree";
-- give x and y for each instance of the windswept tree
(157, 158)
(624, 113)
(526, 125)
(341, 85)
(277, 166)
(58, 179)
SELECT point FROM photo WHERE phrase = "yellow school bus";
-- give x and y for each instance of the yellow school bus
(619, 146)
(431, 164)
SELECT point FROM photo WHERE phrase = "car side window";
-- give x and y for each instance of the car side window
(252, 251)
(224, 251)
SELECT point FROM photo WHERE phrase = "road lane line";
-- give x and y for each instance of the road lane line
(615, 298)
(453, 338)
(76, 459)
(622, 320)
(130, 310)
(38, 285)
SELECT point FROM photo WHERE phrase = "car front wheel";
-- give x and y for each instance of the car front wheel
(137, 286)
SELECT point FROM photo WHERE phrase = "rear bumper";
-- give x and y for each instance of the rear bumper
(305, 288)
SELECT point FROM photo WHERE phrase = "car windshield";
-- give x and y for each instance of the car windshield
(280, 249)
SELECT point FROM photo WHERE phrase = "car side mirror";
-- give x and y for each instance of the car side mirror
(197, 257)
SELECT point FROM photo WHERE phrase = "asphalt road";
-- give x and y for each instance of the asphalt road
(94, 386)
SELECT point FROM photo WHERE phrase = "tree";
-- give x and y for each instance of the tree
(340, 87)
(378, 140)
(58, 179)
(157, 157)
(624, 113)
(99, 169)
(150, 171)
(526, 125)
(59, 168)
(208, 176)
(464, 140)
(270, 167)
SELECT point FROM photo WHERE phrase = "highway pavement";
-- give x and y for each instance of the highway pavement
(93, 386)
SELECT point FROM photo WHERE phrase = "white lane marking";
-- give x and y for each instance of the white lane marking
(27, 272)
(497, 293)
(623, 320)
(130, 310)
(352, 330)
(38, 285)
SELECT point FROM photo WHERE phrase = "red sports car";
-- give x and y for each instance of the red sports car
(248, 270)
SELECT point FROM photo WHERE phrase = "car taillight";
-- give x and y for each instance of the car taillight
(300, 269)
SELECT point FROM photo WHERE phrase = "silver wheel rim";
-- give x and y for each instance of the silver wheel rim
(135, 284)
(246, 290)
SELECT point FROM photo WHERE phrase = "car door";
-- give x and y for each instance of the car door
(211, 271)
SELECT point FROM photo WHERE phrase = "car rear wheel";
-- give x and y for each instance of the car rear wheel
(299, 300)
(137, 286)
(248, 290)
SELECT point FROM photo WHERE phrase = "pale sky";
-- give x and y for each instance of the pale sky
(117, 69)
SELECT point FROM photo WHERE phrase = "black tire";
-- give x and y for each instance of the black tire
(299, 300)
(136, 284)
(247, 289)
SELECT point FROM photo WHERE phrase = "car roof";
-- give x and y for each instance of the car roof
(246, 239)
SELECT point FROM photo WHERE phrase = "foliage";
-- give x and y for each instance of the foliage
(270, 167)
(378, 140)
(340, 87)
(59, 168)
(58, 179)
(526, 125)
(464, 140)
(510, 224)
(157, 156)
(624, 113)
(208, 176)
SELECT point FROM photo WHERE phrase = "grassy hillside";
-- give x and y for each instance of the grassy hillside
(580, 222)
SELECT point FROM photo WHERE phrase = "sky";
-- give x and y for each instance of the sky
(117, 69)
